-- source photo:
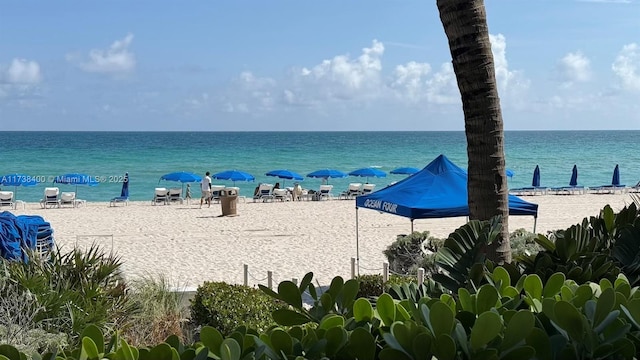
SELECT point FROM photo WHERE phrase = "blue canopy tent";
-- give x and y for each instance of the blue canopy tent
(437, 191)
(405, 171)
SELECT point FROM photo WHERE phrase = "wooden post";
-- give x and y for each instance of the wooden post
(246, 275)
(270, 279)
(353, 268)
(385, 272)
(420, 276)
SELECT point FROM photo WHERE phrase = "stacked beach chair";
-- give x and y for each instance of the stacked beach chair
(18, 233)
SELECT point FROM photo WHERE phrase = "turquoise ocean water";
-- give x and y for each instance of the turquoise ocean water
(148, 155)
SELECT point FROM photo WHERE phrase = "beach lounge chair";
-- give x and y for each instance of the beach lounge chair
(573, 187)
(306, 194)
(237, 191)
(6, 199)
(120, 199)
(635, 188)
(367, 189)
(175, 195)
(51, 198)
(325, 192)
(124, 193)
(535, 187)
(215, 192)
(352, 191)
(68, 198)
(160, 196)
(610, 189)
(265, 193)
(281, 194)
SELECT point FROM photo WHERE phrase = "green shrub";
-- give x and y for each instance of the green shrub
(371, 284)
(532, 319)
(161, 313)
(409, 252)
(523, 243)
(73, 289)
(18, 309)
(600, 247)
(226, 307)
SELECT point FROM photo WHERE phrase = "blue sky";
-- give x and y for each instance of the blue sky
(302, 65)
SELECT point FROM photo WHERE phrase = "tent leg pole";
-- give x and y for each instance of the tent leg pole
(535, 222)
(357, 244)
(412, 226)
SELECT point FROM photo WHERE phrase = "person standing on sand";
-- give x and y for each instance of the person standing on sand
(297, 192)
(205, 186)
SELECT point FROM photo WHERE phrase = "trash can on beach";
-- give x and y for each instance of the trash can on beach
(228, 201)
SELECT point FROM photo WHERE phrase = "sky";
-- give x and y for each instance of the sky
(331, 65)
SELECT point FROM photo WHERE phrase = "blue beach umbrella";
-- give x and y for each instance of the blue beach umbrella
(535, 182)
(405, 171)
(76, 179)
(615, 180)
(327, 173)
(574, 176)
(16, 180)
(368, 172)
(124, 193)
(285, 174)
(234, 175)
(182, 176)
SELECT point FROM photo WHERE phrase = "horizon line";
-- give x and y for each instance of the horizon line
(299, 131)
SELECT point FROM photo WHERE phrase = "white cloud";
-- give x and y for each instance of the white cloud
(627, 66)
(252, 94)
(20, 84)
(409, 80)
(345, 78)
(342, 82)
(575, 68)
(251, 82)
(442, 88)
(236, 108)
(23, 71)
(116, 59)
(510, 83)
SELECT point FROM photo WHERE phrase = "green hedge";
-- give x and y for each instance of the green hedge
(371, 284)
(556, 319)
(226, 307)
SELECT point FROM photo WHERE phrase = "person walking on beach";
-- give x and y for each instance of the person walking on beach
(205, 186)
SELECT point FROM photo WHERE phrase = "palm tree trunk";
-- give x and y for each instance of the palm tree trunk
(465, 24)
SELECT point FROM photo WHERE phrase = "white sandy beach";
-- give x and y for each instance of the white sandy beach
(192, 245)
